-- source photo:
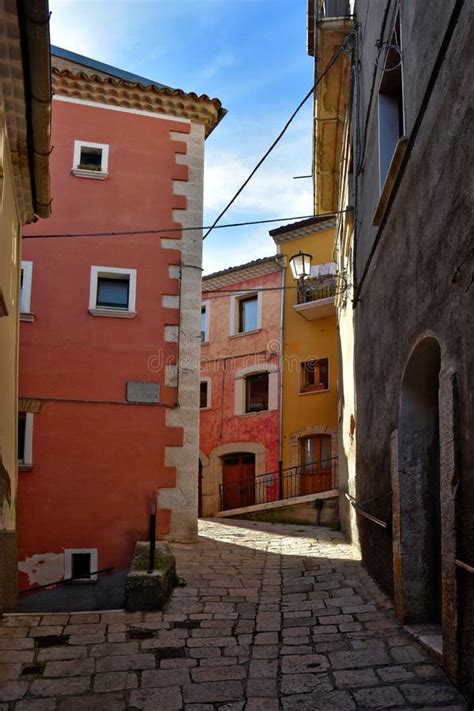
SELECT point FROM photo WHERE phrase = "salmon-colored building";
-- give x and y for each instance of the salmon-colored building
(240, 386)
(108, 417)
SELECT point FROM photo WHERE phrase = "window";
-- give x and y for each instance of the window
(205, 322)
(26, 274)
(248, 314)
(390, 102)
(245, 313)
(80, 564)
(204, 394)
(314, 375)
(112, 292)
(256, 392)
(25, 440)
(316, 450)
(90, 160)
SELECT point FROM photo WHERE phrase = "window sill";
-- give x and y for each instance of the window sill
(25, 467)
(394, 167)
(113, 313)
(203, 409)
(313, 392)
(245, 333)
(253, 414)
(204, 343)
(27, 316)
(94, 174)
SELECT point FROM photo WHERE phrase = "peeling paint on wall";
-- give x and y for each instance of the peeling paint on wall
(43, 568)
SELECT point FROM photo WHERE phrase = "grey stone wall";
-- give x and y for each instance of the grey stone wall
(420, 279)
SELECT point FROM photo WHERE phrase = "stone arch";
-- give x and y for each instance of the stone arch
(424, 476)
(212, 471)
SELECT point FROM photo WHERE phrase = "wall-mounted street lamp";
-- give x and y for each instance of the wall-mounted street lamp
(301, 266)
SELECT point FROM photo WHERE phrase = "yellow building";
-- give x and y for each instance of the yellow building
(309, 397)
(25, 194)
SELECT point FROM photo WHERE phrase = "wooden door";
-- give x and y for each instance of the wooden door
(316, 464)
(238, 480)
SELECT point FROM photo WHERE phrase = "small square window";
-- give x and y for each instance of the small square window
(80, 565)
(315, 375)
(90, 160)
(256, 392)
(112, 292)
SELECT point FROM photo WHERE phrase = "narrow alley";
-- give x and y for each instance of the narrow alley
(271, 617)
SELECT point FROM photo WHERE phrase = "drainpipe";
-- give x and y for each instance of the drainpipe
(282, 266)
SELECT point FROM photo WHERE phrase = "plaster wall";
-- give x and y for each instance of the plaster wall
(308, 413)
(223, 358)
(9, 259)
(98, 461)
(420, 282)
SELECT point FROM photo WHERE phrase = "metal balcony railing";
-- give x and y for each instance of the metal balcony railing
(280, 485)
(312, 291)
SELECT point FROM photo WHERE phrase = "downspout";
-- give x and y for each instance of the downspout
(282, 268)
(34, 28)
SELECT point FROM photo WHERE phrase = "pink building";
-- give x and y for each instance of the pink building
(109, 420)
(240, 383)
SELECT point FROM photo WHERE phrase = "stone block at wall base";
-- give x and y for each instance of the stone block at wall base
(149, 590)
(8, 572)
(305, 514)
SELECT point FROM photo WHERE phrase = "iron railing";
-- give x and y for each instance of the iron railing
(314, 292)
(280, 485)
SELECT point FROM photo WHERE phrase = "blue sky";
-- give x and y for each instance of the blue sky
(251, 54)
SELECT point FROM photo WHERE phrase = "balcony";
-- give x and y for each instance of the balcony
(316, 299)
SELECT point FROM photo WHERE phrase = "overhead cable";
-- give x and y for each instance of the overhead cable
(343, 47)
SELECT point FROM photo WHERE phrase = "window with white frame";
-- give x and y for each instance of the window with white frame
(113, 292)
(205, 308)
(25, 440)
(80, 565)
(245, 313)
(90, 160)
(26, 274)
(390, 102)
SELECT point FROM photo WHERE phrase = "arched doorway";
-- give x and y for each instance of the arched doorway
(418, 563)
(238, 480)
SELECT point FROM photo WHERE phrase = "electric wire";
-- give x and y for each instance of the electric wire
(342, 48)
(166, 230)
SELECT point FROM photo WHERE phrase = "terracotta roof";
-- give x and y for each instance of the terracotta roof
(241, 272)
(145, 97)
(302, 228)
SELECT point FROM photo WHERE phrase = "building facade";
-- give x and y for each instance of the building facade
(309, 362)
(404, 239)
(239, 416)
(109, 360)
(25, 118)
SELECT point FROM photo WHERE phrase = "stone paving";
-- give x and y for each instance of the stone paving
(272, 617)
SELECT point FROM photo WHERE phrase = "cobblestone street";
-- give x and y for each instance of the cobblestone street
(272, 617)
